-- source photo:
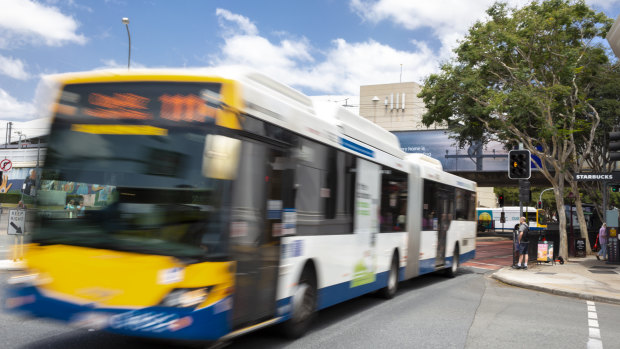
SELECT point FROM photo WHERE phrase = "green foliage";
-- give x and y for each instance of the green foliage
(12, 198)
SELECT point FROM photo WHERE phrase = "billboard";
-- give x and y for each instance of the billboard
(437, 144)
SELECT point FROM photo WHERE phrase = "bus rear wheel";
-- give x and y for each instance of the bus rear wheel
(303, 307)
(453, 269)
(392, 282)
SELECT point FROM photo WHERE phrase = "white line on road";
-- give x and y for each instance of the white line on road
(594, 340)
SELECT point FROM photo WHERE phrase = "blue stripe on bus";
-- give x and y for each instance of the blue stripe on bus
(428, 265)
(208, 323)
(338, 293)
(356, 147)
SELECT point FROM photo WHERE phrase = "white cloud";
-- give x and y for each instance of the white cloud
(242, 23)
(12, 109)
(449, 20)
(13, 68)
(26, 21)
(343, 68)
(349, 65)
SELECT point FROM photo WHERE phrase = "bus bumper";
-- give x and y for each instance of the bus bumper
(205, 324)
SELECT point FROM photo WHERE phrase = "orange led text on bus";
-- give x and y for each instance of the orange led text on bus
(131, 106)
(119, 106)
(185, 108)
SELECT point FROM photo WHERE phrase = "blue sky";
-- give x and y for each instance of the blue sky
(321, 47)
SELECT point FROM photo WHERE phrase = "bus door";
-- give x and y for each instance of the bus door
(366, 226)
(263, 192)
(444, 206)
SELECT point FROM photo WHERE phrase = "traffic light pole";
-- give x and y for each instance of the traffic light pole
(605, 197)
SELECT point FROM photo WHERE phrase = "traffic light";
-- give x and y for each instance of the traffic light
(615, 188)
(500, 200)
(539, 205)
(613, 146)
(519, 165)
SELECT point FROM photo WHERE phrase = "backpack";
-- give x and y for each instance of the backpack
(526, 231)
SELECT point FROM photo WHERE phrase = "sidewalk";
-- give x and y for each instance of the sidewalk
(586, 278)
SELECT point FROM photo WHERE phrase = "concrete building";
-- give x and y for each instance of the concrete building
(395, 107)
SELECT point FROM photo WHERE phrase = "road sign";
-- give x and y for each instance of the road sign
(17, 222)
(6, 165)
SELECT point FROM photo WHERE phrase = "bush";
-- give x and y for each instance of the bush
(12, 198)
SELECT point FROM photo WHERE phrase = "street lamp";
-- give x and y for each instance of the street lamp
(19, 141)
(375, 99)
(126, 22)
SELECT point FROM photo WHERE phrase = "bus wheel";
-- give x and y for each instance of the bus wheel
(392, 283)
(303, 307)
(451, 272)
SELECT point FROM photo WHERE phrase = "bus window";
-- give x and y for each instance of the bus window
(393, 200)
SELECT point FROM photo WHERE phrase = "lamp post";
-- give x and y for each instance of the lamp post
(375, 99)
(19, 141)
(126, 22)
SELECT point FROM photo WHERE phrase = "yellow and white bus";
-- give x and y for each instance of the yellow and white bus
(207, 204)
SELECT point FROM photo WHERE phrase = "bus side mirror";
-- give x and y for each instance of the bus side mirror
(220, 158)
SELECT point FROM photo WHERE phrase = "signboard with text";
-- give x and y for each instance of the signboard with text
(17, 222)
(610, 176)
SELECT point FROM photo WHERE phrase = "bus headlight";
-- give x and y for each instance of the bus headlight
(32, 279)
(185, 297)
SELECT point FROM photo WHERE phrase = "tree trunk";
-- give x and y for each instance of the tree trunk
(583, 226)
(559, 201)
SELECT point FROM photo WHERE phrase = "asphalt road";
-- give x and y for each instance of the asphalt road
(469, 311)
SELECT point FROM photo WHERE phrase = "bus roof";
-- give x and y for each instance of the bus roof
(265, 98)
(430, 168)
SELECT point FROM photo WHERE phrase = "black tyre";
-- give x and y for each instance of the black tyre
(390, 289)
(304, 307)
(454, 268)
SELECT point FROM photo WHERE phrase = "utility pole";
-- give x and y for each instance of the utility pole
(8, 134)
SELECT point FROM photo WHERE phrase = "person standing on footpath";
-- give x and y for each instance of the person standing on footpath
(602, 241)
(522, 244)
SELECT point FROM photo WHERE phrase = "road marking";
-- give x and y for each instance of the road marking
(594, 333)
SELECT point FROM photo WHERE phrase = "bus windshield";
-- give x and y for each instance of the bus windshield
(132, 185)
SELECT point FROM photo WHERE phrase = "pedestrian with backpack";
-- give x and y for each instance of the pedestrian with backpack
(522, 244)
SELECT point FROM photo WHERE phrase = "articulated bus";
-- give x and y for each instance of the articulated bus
(490, 219)
(216, 203)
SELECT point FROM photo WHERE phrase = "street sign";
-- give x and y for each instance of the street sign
(591, 176)
(17, 222)
(6, 165)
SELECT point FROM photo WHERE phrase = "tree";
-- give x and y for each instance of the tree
(524, 76)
